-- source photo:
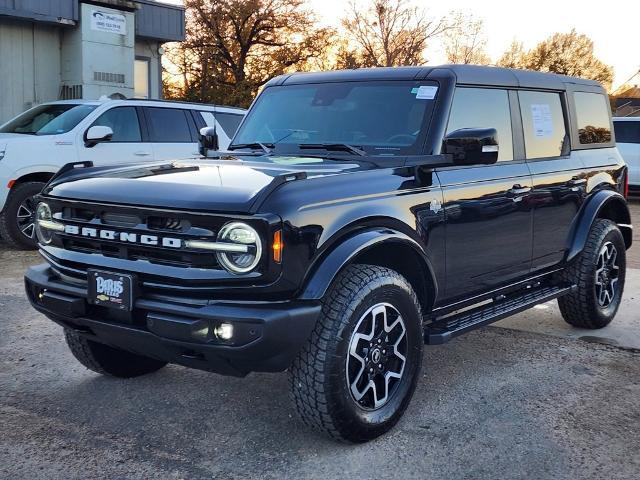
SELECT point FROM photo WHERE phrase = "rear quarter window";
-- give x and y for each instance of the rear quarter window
(627, 132)
(592, 112)
(229, 122)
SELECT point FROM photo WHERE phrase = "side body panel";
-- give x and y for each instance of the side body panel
(559, 189)
(489, 228)
(320, 214)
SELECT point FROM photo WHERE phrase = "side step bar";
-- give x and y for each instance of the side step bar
(442, 330)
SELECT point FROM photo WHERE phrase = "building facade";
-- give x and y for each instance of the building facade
(71, 49)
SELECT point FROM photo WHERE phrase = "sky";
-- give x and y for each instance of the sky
(613, 25)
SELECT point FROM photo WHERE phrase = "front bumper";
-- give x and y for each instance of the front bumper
(267, 335)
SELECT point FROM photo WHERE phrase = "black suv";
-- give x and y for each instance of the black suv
(357, 216)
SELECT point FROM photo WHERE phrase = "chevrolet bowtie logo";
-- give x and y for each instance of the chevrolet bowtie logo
(127, 237)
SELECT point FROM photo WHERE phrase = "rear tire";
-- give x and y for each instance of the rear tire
(370, 321)
(599, 273)
(17, 220)
(108, 360)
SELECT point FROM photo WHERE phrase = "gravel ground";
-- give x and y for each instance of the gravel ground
(496, 403)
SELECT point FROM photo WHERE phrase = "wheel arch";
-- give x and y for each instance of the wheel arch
(43, 177)
(603, 204)
(375, 246)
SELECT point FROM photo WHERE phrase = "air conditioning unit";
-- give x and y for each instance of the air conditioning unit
(98, 57)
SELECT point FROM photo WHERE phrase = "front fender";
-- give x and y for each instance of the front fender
(602, 204)
(325, 269)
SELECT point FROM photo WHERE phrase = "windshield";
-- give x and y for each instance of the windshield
(379, 117)
(48, 119)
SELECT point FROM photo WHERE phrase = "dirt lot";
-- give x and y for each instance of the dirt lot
(497, 403)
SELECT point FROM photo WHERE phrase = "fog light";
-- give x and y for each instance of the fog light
(224, 331)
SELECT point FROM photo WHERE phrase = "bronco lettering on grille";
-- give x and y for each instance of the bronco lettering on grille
(127, 237)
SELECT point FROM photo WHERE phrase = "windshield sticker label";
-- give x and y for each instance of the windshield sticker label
(425, 92)
(542, 121)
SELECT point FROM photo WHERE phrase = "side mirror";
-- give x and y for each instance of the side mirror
(472, 146)
(97, 134)
(208, 140)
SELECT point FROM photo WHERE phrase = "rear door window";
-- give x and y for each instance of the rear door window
(124, 123)
(543, 124)
(627, 132)
(592, 111)
(484, 108)
(168, 125)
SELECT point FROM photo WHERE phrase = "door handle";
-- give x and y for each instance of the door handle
(142, 154)
(575, 183)
(518, 189)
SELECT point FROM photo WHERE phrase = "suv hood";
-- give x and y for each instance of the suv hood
(233, 185)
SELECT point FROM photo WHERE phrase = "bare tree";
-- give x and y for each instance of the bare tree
(233, 47)
(465, 41)
(388, 33)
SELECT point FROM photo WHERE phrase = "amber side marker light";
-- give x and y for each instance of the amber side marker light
(277, 246)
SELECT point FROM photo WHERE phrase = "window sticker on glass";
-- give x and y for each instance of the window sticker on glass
(542, 121)
(425, 92)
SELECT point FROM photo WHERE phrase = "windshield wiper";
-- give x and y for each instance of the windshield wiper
(266, 147)
(342, 147)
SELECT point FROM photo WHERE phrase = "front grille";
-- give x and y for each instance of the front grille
(166, 223)
(161, 268)
(99, 220)
(158, 256)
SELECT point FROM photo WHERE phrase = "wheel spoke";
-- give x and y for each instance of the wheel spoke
(24, 212)
(27, 230)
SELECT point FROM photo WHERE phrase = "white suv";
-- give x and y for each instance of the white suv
(628, 141)
(35, 144)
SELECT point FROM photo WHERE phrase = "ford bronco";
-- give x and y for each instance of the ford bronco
(356, 216)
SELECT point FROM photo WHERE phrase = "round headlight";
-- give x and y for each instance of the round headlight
(43, 213)
(242, 234)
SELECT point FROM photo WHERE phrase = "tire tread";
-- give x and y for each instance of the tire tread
(308, 382)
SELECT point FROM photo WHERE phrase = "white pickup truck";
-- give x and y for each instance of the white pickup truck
(628, 141)
(35, 144)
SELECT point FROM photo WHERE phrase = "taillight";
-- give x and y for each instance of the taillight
(626, 184)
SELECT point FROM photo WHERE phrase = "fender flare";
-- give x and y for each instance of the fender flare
(327, 267)
(589, 212)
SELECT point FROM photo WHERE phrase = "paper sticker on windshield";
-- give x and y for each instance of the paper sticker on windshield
(542, 120)
(425, 92)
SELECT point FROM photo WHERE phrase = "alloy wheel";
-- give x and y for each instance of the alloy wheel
(26, 217)
(377, 356)
(607, 271)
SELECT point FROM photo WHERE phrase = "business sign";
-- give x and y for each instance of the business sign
(108, 22)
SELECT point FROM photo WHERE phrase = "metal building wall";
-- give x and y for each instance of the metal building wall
(57, 11)
(30, 73)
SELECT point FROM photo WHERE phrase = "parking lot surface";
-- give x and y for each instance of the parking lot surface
(535, 399)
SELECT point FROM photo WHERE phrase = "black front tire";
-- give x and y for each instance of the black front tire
(20, 232)
(108, 360)
(583, 307)
(321, 375)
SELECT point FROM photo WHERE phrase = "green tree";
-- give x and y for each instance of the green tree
(233, 47)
